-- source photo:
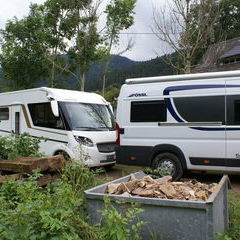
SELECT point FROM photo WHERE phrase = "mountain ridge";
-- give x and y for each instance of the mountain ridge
(120, 68)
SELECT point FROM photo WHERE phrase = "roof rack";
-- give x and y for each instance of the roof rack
(184, 77)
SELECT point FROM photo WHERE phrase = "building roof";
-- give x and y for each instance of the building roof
(218, 52)
(235, 51)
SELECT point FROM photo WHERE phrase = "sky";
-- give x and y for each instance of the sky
(146, 46)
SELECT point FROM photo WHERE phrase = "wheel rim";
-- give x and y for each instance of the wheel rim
(168, 165)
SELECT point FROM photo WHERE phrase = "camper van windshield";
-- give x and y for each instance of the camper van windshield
(88, 117)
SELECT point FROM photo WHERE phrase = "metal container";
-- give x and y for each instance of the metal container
(169, 219)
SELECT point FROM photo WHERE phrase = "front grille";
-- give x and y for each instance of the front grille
(106, 147)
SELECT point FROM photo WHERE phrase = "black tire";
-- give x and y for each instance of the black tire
(170, 162)
(109, 167)
(64, 154)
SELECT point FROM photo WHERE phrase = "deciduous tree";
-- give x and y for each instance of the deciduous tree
(187, 26)
(120, 16)
(22, 56)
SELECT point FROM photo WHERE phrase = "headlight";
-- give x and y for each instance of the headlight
(85, 141)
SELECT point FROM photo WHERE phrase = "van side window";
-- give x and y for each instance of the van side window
(42, 116)
(148, 111)
(233, 110)
(237, 112)
(4, 114)
(201, 109)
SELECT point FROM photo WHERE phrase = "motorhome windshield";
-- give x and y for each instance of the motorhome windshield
(87, 116)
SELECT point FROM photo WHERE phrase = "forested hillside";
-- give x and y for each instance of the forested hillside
(120, 69)
(154, 67)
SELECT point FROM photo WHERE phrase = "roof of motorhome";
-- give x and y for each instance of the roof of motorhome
(64, 95)
(184, 77)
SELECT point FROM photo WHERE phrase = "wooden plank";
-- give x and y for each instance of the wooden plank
(10, 177)
(27, 165)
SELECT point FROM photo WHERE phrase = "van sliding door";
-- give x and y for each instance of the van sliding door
(196, 123)
(233, 125)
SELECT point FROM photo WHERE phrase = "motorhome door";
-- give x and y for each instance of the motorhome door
(16, 119)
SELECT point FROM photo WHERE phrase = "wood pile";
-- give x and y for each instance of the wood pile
(48, 166)
(163, 188)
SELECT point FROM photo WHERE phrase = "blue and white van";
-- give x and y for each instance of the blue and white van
(181, 122)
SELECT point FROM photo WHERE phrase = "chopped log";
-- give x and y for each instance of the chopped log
(164, 179)
(112, 188)
(143, 192)
(202, 195)
(126, 194)
(163, 188)
(168, 190)
(131, 185)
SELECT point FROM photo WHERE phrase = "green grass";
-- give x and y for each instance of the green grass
(233, 232)
(128, 166)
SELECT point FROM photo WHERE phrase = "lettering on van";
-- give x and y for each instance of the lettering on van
(138, 95)
(237, 156)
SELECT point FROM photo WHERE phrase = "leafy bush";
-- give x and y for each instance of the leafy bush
(15, 146)
(30, 212)
(120, 226)
(156, 173)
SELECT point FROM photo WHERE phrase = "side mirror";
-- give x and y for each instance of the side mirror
(55, 110)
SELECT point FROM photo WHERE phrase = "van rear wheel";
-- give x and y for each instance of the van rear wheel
(169, 162)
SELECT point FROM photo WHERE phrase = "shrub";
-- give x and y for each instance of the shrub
(31, 212)
(156, 173)
(15, 146)
(120, 226)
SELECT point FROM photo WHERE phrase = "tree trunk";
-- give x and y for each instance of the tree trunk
(188, 63)
(82, 81)
(104, 84)
(53, 75)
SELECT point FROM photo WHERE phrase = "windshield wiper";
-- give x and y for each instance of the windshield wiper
(88, 128)
(109, 128)
(95, 128)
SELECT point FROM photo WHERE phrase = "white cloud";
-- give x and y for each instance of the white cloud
(11, 8)
(146, 45)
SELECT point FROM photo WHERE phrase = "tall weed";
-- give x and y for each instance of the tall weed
(118, 225)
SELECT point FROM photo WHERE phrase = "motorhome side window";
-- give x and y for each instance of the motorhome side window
(201, 109)
(42, 116)
(148, 111)
(233, 110)
(4, 114)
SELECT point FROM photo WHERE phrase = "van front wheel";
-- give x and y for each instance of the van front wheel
(64, 154)
(169, 162)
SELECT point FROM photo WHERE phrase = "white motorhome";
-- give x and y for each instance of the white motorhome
(181, 122)
(76, 124)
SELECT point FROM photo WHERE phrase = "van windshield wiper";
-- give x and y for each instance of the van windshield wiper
(89, 128)
(108, 128)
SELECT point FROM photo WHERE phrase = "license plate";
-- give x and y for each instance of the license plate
(110, 157)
